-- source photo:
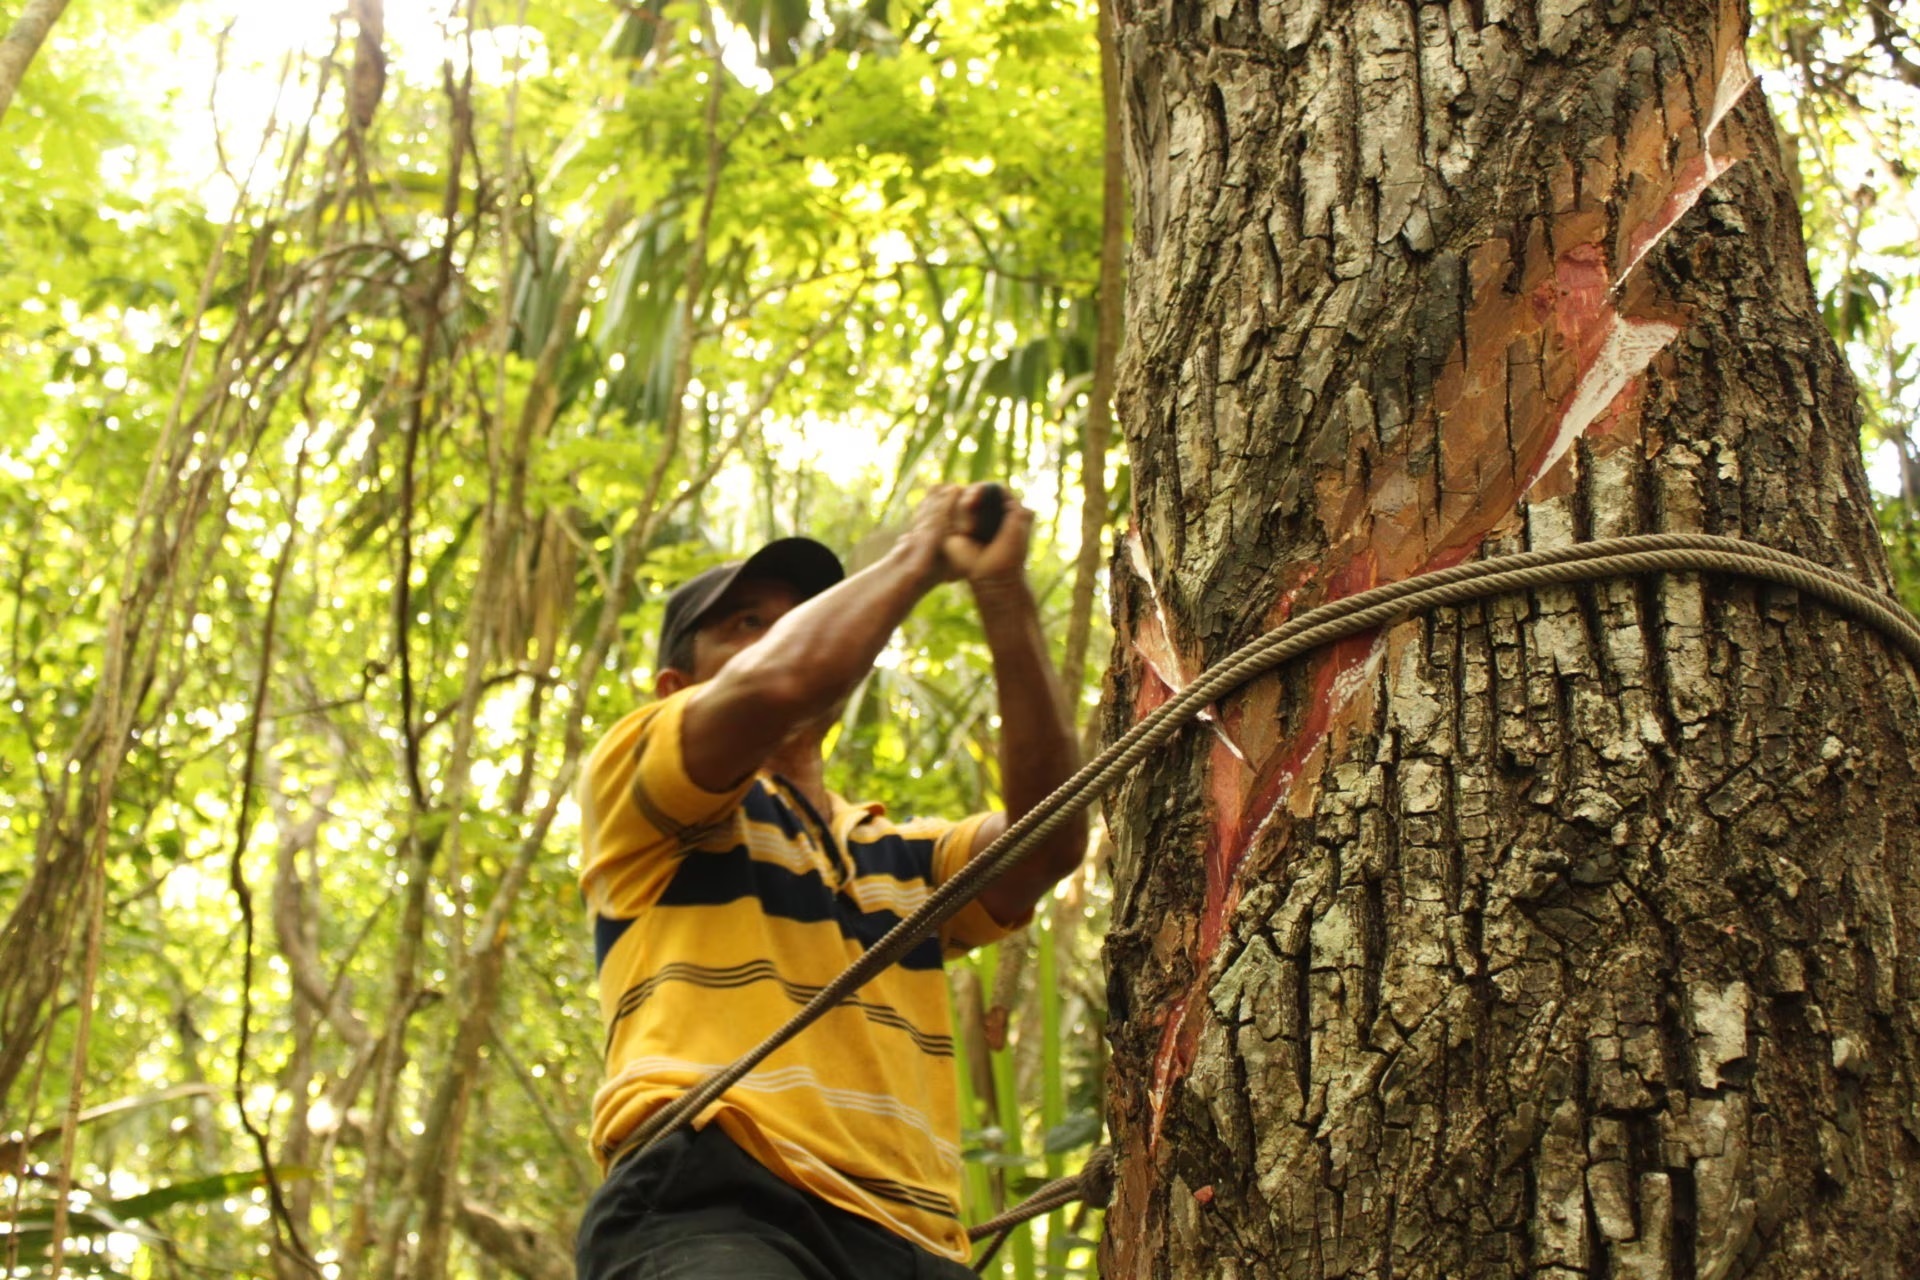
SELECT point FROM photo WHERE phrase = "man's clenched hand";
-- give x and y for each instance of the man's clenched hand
(942, 525)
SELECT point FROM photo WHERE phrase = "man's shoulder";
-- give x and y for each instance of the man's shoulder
(623, 735)
(919, 828)
(636, 775)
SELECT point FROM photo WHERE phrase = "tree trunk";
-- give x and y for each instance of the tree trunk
(1570, 934)
(22, 41)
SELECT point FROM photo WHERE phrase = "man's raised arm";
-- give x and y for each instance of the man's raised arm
(812, 656)
(1038, 750)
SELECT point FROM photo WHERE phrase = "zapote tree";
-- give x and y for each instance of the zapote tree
(1564, 935)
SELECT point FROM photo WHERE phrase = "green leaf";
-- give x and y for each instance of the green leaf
(1077, 1130)
(206, 1190)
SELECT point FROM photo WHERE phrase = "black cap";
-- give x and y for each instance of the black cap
(803, 564)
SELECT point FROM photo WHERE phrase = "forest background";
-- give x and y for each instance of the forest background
(367, 374)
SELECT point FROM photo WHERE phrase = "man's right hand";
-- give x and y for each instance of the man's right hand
(934, 521)
(942, 531)
(1001, 562)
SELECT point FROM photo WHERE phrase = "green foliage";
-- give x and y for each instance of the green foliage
(93, 1220)
(1846, 82)
(331, 494)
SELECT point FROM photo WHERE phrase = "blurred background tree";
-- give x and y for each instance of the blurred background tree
(367, 374)
(1845, 84)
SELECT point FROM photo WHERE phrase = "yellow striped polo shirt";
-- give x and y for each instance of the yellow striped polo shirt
(716, 915)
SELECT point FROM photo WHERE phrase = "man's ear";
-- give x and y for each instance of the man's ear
(670, 681)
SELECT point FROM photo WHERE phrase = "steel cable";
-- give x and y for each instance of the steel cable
(1314, 629)
(1093, 1184)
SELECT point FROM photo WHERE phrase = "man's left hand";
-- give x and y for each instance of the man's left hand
(1001, 561)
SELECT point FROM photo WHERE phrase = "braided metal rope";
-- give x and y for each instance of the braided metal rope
(1325, 625)
(1093, 1184)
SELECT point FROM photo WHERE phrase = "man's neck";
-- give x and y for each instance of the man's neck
(799, 761)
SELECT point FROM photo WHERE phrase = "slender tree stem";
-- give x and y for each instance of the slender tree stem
(1099, 429)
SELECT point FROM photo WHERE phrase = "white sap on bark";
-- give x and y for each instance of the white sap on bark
(1564, 935)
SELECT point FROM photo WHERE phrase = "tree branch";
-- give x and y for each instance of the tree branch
(520, 1247)
(1887, 34)
(22, 42)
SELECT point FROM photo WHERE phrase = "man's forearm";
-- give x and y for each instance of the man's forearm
(1038, 750)
(816, 654)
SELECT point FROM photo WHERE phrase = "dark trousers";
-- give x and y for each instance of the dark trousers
(697, 1207)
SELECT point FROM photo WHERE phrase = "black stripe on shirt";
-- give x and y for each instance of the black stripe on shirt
(607, 930)
(799, 993)
(714, 878)
(895, 856)
(683, 834)
(653, 814)
(761, 805)
(902, 1193)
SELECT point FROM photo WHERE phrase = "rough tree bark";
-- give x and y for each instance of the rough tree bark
(1568, 935)
(22, 42)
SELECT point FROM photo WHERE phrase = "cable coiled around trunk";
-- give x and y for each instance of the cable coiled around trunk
(1315, 629)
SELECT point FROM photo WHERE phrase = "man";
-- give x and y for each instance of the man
(728, 884)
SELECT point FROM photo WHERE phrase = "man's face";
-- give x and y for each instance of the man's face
(738, 619)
